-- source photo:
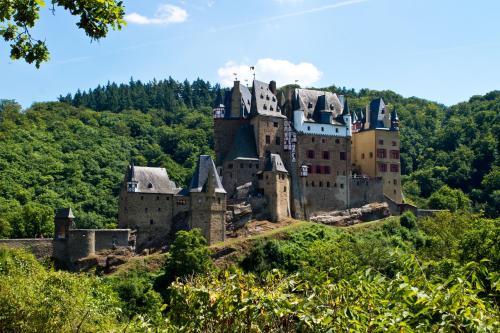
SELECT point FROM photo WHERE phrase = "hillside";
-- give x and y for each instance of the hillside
(74, 152)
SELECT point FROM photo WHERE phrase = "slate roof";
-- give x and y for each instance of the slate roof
(64, 213)
(376, 116)
(219, 100)
(354, 116)
(205, 172)
(151, 180)
(246, 99)
(314, 101)
(244, 144)
(274, 163)
(264, 102)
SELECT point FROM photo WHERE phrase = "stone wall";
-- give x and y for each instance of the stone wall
(41, 248)
(80, 244)
(271, 128)
(365, 190)
(111, 238)
(276, 188)
(208, 214)
(150, 214)
(323, 189)
(238, 172)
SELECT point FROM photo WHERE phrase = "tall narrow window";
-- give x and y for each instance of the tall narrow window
(278, 140)
(381, 153)
(310, 154)
(326, 155)
(268, 139)
(343, 155)
(394, 168)
(382, 167)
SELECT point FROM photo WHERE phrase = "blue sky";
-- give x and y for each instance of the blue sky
(442, 50)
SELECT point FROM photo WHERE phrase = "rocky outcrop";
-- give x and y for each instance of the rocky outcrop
(341, 218)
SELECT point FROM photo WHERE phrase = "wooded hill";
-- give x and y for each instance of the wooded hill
(74, 152)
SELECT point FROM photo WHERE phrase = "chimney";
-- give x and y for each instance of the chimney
(236, 85)
(272, 87)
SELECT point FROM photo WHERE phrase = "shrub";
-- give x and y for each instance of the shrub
(408, 220)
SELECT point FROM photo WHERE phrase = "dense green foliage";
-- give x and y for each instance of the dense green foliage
(438, 274)
(18, 17)
(74, 153)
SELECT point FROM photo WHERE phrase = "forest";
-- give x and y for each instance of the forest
(438, 274)
(74, 151)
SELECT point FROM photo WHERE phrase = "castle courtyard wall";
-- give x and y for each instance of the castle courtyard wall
(41, 248)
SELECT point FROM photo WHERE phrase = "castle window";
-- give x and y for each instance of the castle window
(395, 181)
(312, 183)
(259, 176)
(261, 96)
(336, 130)
(382, 167)
(284, 189)
(363, 156)
(307, 183)
(168, 199)
(230, 166)
(142, 197)
(327, 184)
(318, 169)
(274, 99)
(341, 185)
(326, 155)
(268, 139)
(380, 142)
(308, 128)
(218, 201)
(267, 97)
(323, 140)
(395, 154)
(151, 222)
(381, 153)
(145, 210)
(371, 155)
(310, 154)
(278, 140)
(343, 155)
(322, 129)
(275, 124)
(241, 165)
(157, 197)
(267, 177)
(337, 141)
(312, 139)
(150, 185)
(265, 107)
(310, 105)
(394, 143)
(326, 170)
(159, 209)
(394, 168)
(394, 191)
(383, 111)
(335, 185)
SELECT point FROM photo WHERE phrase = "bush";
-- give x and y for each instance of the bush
(408, 220)
(189, 255)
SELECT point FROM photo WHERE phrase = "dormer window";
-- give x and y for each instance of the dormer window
(150, 185)
(271, 108)
(267, 97)
(261, 96)
(383, 111)
(274, 99)
(332, 107)
(265, 107)
(310, 105)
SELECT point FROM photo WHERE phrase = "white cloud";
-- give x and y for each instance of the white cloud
(267, 69)
(165, 14)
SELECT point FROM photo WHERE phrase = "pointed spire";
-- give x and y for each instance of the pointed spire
(346, 108)
(354, 117)
(362, 117)
(394, 115)
(219, 100)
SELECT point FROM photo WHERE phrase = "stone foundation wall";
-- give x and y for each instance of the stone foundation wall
(110, 238)
(365, 190)
(41, 248)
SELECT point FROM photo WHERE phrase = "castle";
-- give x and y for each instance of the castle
(293, 155)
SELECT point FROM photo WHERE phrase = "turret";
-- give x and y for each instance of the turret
(394, 120)
(63, 222)
(132, 182)
(219, 110)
